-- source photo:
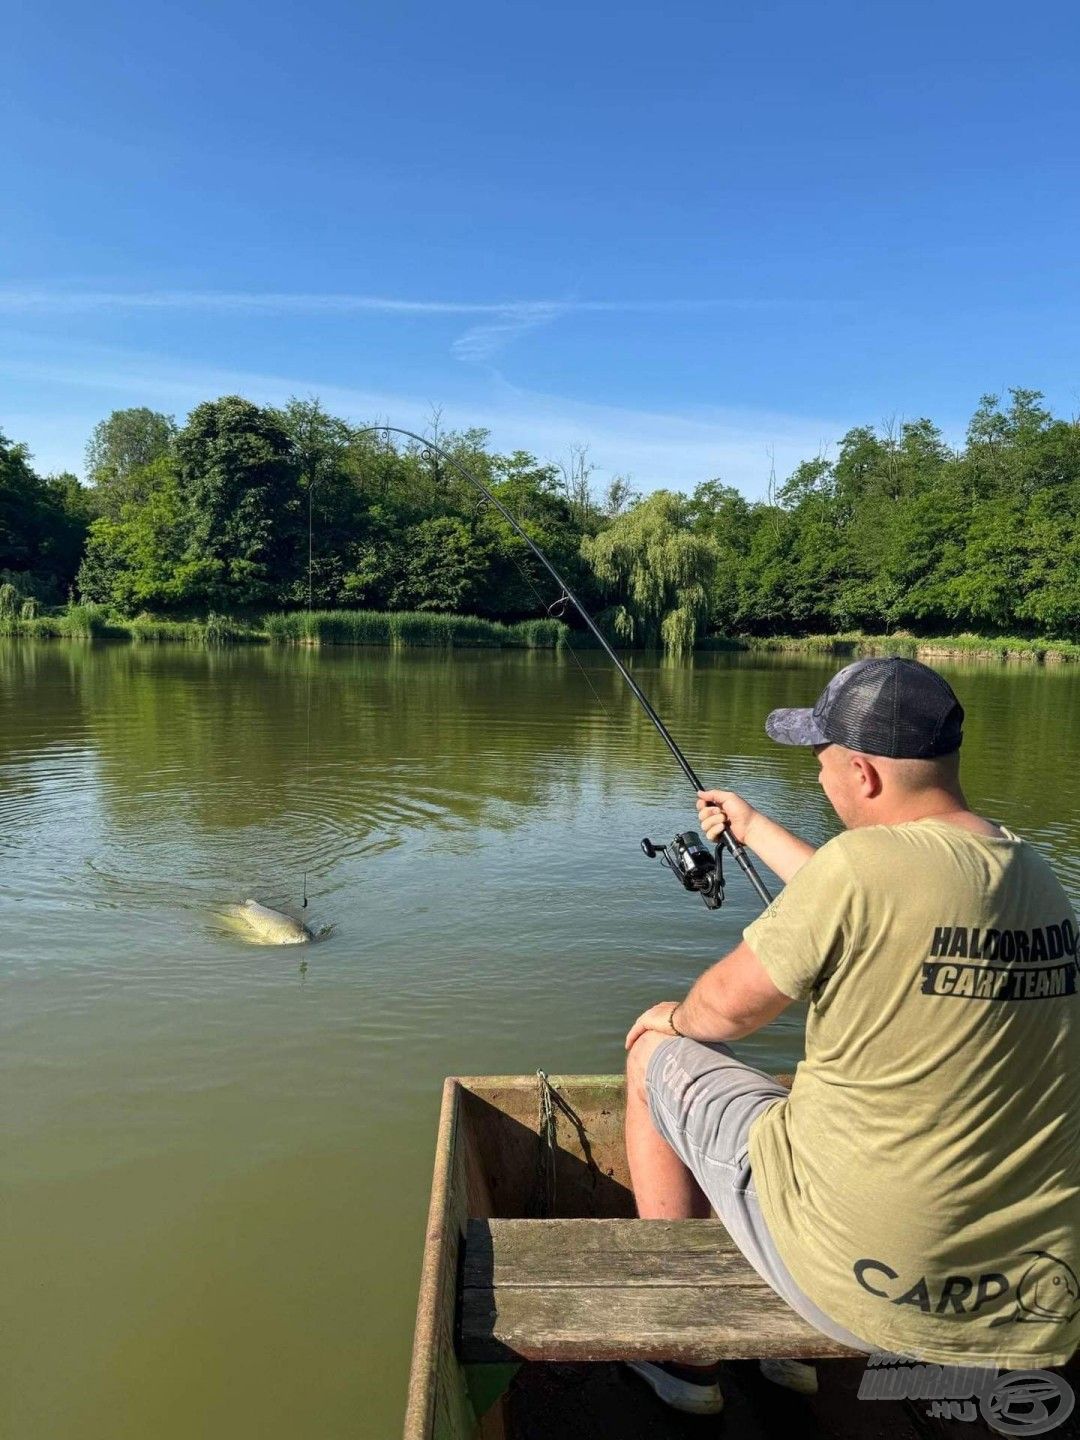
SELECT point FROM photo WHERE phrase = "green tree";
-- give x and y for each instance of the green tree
(21, 504)
(442, 564)
(658, 571)
(1050, 586)
(238, 485)
(119, 450)
(719, 512)
(43, 524)
(895, 529)
(135, 562)
(329, 465)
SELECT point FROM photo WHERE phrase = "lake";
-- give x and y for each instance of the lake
(217, 1155)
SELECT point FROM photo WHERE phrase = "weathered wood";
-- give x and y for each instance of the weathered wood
(501, 1112)
(588, 1290)
(485, 1165)
(438, 1405)
(599, 1253)
(485, 1160)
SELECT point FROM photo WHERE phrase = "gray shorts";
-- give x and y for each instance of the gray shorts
(703, 1101)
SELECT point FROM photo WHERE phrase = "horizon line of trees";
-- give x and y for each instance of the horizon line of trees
(895, 531)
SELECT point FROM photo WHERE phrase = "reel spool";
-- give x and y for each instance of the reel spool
(693, 864)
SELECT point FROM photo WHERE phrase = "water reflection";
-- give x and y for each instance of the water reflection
(218, 1166)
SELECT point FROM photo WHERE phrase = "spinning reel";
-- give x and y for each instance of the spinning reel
(693, 864)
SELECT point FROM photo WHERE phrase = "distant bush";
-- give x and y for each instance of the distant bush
(84, 622)
(540, 635)
(149, 630)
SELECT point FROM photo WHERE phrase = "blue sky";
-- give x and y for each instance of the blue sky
(701, 238)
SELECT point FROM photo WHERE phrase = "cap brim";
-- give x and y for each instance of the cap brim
(794, 727)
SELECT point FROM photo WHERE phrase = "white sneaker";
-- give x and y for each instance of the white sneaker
(671, 1383)
(794, 1375)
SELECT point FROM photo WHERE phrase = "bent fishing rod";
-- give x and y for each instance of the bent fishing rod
(687, 856)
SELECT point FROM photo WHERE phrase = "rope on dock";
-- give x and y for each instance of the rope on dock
(549, 1101)
(547, 1134)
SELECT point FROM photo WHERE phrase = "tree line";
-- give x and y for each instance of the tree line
(249, 508)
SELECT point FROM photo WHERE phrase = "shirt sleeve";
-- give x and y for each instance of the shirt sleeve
(806, 932)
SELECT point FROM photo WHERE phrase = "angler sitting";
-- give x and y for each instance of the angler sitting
(918, 1190)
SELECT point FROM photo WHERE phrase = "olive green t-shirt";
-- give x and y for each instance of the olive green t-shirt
(922, 1182)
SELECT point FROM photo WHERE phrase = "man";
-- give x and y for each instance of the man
(918, 1191)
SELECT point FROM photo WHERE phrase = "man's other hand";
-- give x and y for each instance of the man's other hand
(657, 1017)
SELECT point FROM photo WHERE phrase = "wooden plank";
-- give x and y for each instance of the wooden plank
(598, 1253)
(438, 1406)
(592, 1290)
(635, 1323)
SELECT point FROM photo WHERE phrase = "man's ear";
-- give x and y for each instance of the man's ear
(867, 775)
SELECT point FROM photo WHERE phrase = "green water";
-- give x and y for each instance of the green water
(216, 1166)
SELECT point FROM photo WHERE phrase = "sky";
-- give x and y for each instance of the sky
(702, 239)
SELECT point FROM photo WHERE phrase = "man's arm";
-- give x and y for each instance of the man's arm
(733, 998)
(720, 810)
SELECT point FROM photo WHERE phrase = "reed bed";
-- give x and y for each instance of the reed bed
(214, 630)
(78, 622)
(409, 628)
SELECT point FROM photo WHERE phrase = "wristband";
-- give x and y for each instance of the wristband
(671, 1020)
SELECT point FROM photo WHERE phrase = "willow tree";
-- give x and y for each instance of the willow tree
(658, 572)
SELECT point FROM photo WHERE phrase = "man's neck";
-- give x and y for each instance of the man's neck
(948, 806)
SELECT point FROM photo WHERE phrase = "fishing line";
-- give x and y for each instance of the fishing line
(556, 610)
(310, 661)
(307, 764)
(686, 856)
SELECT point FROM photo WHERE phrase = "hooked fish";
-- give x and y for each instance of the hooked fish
(270, 927)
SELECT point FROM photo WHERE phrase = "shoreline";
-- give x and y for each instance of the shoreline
(1013, 648)
(421, 629)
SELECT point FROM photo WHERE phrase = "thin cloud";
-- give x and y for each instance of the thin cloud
(498, 322)
(30, 299)
(481, 343)
(21, 300)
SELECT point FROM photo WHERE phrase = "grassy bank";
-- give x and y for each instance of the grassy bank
(319, 627)
(93, 622)
(921, 647)
(407, 629)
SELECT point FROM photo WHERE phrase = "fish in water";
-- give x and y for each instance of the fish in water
(270, 927)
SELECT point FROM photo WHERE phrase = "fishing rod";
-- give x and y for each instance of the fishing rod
(687, 856)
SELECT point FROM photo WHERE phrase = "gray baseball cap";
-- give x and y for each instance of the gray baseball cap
(886, 706)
